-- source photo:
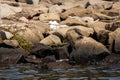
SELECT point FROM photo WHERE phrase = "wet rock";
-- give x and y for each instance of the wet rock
(62, 51)
(46, 52)
(113, 59)
(49, 17)
(32, 59)
(114, 41)
(11, 56)
(41, 50)
(50, 40)
(85, 52)
(57, 65)
(48, 59)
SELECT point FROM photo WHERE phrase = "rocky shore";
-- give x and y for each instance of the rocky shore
(60, 33)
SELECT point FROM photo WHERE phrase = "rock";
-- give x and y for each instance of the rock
(33, 59)
(114, 41)
(112, 13)
(83, 30)
(7, 10)
(11, 56)
(49, 17)
(55, 9)
(103, 37)
(41, 50)
(73, 22)
(116, 6)
(112, 26)
(6, 34)
(31, 34)
(102, 16)
(48, 59)
(79, 30)
(57, 65)
(113, 59)
(76, 11)
(50, 40)
(62, 51)
(85, 51)
(55, 25)
(102, 5)
(93, 2)
(46, 52)
(12, 43)
(23, 19)
(97, 26)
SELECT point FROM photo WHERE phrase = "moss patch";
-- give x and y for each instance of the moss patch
(23, 43)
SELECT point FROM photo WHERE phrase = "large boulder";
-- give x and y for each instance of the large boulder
(114, 41)
(31, 34)
(88, 50)
(11, 55)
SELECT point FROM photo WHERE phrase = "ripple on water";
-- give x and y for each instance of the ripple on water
(33, 72)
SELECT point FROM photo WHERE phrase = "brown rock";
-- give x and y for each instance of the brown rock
(31, 34)
(13, 43)
(112, 26)
(73, 22)
(49, 17)
(50, 40)
(88, 50)
(75, 11)
(114, 41)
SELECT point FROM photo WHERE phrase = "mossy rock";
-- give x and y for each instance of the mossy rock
(23, 43)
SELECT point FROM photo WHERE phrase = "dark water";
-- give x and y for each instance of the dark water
(34, 72)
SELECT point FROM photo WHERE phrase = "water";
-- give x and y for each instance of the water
(34, 72)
